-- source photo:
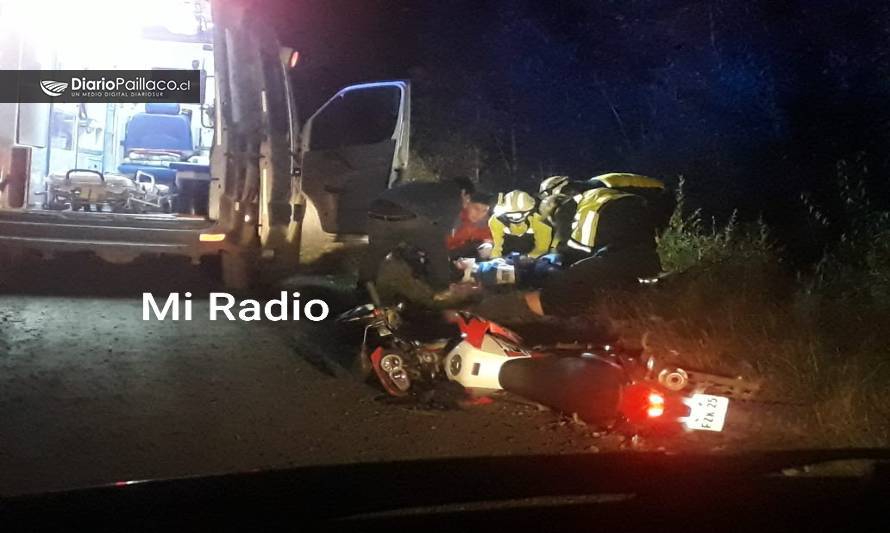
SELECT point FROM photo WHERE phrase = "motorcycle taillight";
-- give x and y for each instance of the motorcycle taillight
(656, 405)
(639, 403)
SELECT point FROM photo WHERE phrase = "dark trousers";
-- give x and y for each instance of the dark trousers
(574, 290)
(385, 236)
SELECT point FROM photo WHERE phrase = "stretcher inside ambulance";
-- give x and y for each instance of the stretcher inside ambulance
(229, 178)
(128, 158)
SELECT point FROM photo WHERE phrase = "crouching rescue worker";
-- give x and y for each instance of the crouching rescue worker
(517, 227)
(609, 242)
(421, 216)
(552, 195)
(659, 199)
(559, 197)
(471, 237)
(553, 186)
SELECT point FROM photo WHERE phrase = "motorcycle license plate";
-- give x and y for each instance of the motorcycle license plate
(707, 412)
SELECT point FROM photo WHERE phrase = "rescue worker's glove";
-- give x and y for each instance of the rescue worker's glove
(546, 266)
(491, 273)
(520, 261)
(550, 260)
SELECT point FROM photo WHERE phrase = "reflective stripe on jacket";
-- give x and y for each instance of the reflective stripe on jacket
(533, 230)
(620, 180)
(587, 217)
(660, 200)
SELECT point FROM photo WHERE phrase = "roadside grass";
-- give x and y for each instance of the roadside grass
(819, 343)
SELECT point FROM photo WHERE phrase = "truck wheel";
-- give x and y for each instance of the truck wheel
(238, 271)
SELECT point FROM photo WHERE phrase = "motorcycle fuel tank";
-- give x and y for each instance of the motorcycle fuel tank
(478, 368)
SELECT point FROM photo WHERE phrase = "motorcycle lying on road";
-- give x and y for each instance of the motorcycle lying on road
(605, 385)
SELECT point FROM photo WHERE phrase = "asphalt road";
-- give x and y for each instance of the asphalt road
(92, 394)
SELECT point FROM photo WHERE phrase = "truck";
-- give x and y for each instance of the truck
(240, 169)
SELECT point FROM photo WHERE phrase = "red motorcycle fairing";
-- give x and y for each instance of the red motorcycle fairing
(508, 334)
(474, 328)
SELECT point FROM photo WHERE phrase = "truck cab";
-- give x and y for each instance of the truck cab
(228, 179)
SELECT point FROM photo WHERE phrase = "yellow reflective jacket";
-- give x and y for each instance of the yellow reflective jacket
(661, 202)
(623, 180)
(531, 237)
(584, 235)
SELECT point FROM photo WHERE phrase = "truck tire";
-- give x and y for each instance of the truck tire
(238, 271)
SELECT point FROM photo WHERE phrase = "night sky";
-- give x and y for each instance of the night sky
(754, 102)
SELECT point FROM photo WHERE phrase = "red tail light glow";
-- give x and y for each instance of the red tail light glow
(641, 403)
(656, 405)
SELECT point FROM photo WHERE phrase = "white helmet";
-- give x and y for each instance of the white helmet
(515, 206)
(552, 185)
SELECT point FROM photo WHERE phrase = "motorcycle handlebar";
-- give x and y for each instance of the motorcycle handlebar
(356, 313)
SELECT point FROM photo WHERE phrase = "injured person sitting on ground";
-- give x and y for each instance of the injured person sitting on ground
(471, 237)
(609, 243)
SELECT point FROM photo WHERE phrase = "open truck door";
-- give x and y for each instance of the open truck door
(353, 148)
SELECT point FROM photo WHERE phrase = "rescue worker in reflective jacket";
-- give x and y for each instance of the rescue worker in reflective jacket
(553, 193)
(609, 242)
(516, 227)
(660, 200)
(558, 202)
(553, 186)
(607, 220)
(560, 207)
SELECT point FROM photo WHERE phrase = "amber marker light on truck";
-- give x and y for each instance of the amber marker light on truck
(289, 57)
(212, 237)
